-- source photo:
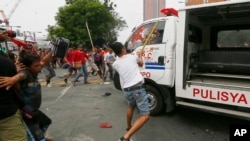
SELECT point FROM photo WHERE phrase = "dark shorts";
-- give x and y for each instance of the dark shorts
(71, 69)
(98, 63)
(49, 72)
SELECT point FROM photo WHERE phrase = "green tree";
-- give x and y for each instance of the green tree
(102, 20)
(69, 1)
(119, 23)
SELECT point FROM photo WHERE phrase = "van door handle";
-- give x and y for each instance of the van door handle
(161, 60)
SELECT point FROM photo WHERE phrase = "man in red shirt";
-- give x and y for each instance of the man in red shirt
(68, 58)
(80, 56)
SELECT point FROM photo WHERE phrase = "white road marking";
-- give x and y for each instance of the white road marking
(64, 91)
(80, 137)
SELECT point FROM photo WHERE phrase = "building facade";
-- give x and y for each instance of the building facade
(152, 8)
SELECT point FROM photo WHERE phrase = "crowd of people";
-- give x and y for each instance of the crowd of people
(20, 90)
(82, 62)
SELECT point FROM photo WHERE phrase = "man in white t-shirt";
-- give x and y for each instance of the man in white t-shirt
(109, 59)
(127, 67)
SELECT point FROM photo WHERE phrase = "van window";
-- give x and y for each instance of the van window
(233, 38)
(141, 33)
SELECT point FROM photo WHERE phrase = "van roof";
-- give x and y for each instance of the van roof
(213, 4)
(157, 19)
(221, 12)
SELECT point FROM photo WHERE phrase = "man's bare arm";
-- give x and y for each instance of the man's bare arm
(9, 82)
(46, 59)
(140, 62)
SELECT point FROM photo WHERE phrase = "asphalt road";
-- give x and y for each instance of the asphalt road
(77, 111)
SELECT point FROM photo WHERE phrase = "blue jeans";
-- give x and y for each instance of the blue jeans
(138, 98)
(82, 70)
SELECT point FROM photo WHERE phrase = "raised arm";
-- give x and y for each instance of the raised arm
(46, 59)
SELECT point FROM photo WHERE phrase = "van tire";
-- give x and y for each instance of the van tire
(155, 100)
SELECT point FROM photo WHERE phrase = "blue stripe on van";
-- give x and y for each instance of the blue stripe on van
(149, 63)
(154, 66)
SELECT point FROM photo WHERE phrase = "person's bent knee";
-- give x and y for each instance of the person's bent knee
(146, 117)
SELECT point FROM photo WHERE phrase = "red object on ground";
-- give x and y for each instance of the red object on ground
(105, 125)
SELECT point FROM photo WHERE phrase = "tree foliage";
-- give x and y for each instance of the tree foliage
(102, 21)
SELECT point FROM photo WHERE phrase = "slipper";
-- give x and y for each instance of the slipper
(105, 125)
(106, 94)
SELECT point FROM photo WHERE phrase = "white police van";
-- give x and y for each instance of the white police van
(197, 57)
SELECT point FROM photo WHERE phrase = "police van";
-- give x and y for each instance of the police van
(198, 56)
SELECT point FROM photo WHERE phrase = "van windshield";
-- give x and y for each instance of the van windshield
(140, 35)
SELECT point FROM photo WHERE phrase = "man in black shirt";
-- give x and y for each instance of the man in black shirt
(12, 127)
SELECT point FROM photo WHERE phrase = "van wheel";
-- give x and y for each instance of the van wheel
(155, 100)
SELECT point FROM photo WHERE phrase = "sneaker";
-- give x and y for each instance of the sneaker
(87, 83)
(65, 80)
(49, 85)
(123, 139)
